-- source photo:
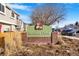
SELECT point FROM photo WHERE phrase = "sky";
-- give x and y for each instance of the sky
(25, 11)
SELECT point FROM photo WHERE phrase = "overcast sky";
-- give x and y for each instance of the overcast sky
(25, 10)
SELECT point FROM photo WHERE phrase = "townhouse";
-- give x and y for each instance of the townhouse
(21, 26)
(9, 19)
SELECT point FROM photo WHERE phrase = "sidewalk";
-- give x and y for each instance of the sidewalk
(71, 37)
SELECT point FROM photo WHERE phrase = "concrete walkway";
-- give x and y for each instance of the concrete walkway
(71, 37)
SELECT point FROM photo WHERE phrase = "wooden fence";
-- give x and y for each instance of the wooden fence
(11, 41)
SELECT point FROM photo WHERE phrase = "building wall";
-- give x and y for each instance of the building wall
(22, 26)
(7, 16)
(5, 27)
(6, 20)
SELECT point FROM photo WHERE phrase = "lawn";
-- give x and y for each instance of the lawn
(46, 32)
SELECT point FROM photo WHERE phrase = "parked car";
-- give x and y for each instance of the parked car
(69, 32)
(77, 31)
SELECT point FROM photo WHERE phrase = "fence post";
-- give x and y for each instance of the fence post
(24, 38)
(2, 43)
(51, 37)
(55, 37)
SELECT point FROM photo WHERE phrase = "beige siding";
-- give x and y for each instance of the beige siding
(7, 17)
(8, 12)
(9, 22)
(22, 26)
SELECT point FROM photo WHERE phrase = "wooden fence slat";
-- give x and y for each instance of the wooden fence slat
(12, 41)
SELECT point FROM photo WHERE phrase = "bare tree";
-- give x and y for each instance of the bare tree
(48, 14)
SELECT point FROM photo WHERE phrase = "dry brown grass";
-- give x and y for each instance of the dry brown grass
(70, 49)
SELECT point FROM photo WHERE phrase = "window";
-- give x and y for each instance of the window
(12, 14)
(16, 17)
(1, 7)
